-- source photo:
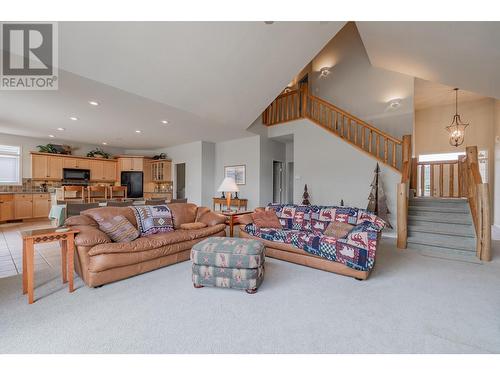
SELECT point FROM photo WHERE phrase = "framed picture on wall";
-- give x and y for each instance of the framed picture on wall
(237, 172)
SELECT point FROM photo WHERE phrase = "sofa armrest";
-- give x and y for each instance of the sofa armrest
(211, 218)
(90, 236)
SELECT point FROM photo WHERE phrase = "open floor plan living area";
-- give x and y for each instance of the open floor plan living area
(257, 187)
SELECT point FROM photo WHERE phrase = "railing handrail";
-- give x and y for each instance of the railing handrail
(437, 162)
(291, 92)
(356, 119)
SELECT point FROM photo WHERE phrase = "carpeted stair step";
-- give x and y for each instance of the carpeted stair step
(440, 217)
(450, 208)
(435, 240)
(444, 253)
(463, 230)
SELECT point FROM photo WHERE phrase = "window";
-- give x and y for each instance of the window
(10, 165)
(440, 157)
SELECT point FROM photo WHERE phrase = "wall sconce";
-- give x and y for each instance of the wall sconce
(394, 104)
(324, 72)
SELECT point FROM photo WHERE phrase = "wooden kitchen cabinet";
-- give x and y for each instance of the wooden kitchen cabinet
(23, 206)
(102, 170)
(161, 171)
(109, 170)
(76, 163)
(131, 164)
(41, 205)
(46, 167)
(6, 207)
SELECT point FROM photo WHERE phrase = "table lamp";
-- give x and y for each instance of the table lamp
(228, 186)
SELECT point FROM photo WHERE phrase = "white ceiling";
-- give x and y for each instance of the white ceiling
(431, 94)
(458, 54)
(210, 80)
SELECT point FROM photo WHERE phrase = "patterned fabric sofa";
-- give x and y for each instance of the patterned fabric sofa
(301, 239)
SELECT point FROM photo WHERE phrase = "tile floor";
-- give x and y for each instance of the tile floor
(11, 249)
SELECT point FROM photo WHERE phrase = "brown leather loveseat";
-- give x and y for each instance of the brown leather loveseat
(100, 261)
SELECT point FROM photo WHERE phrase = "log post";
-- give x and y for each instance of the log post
(402, 215)
(485, 220)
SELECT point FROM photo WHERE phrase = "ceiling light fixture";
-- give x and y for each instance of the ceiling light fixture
(52, 136)
(164, 122)
(457, 127)
(61, 129)
(94, 103)
(138, 131)
(104, 143)
(324, 72)
(394, 103)
(73, 118)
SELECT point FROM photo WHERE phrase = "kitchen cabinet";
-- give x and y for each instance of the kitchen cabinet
(101, 170)
(161, 171)
(46, 167)
(41, 205)
(131, 164)
(77, 163)
(23, 206)
(6, 207)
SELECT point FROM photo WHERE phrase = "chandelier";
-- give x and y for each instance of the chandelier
(457, 127)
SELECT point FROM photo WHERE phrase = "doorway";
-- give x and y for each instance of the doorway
(180, 181)
(277, 181)
(289, 188)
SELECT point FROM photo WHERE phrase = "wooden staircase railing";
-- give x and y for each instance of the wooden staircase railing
(439, 179)
(403, 192)
(477, 193)
(300, 103)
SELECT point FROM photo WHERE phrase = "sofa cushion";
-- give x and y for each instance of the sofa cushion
(156, 240)
(153, 219)
(118, 229)
(80, 220)
(292, 216)
(183, 213)
(110, 212)
(188, 226)
(266, 219)
(338, 230)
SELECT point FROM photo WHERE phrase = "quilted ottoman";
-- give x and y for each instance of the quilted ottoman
(228, 263)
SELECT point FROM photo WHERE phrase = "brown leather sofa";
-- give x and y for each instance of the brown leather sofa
(100, 261)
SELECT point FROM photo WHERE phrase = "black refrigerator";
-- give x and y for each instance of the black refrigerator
(133, 181)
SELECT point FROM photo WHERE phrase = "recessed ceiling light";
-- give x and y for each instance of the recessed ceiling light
(394, 103)
(268, 22)
(138, 131)
(73, 118)
(94, 103)
(52, 136)
(164, 122)
(104, 143)
(61, 129)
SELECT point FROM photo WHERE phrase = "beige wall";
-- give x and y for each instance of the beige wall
(431, 136)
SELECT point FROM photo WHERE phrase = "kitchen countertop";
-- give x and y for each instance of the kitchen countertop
(24, 192)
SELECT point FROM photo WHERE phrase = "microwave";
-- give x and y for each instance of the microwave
(82, 175)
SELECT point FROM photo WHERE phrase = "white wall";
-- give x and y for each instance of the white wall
(207, 173)
(243, 151)
(333, 169)
(496, 172)
(361, 89)
(29, 144)
(269, 151)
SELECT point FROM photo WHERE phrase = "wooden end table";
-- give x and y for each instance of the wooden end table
(37, 236)
(232, 218)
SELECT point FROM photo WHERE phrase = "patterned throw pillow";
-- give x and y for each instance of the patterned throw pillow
(153, 219)
(118, 228)
(338, 230)
(266, 219)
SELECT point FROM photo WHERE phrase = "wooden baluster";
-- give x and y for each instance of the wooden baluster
(287, 113)
(386, 149)
(451, 186)
(394, 154)
(370, 140)
(432, 180)
(441, 178)
(422, 180)
(377, 145)
(329, 119)
(271, 119)
(336, 122)
(414, 174)
(363, 133)
(460, 179)
(349, 129)
(355, 133)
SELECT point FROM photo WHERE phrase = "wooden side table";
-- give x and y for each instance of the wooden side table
(236, 202)
(37, 236)
(232, 219)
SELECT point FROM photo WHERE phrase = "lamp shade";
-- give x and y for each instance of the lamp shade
(228, 185)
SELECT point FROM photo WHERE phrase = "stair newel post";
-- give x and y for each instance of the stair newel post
(402, 215)
(483, 248)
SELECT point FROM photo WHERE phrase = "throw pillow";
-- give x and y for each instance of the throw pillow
(337, 229)
(153, 219)
(266, 219)
(188, 226)
(118, 228)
